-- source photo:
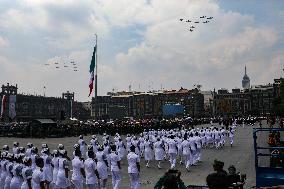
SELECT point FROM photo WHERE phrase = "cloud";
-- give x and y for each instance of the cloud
(3, 42)
(172, 55)
(141, 43)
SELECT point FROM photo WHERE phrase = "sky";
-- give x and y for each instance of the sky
(141, 43)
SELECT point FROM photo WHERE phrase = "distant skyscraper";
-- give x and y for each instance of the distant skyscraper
(246, 80)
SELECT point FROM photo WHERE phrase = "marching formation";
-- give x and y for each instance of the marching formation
(91, 164)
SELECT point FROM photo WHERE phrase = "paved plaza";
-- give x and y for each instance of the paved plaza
(241, 155)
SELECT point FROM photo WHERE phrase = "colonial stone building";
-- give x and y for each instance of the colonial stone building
(257, 100)
(29, 107)
(141, 105)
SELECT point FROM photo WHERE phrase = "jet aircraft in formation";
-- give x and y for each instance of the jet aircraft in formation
(64, 65)
(197, 21)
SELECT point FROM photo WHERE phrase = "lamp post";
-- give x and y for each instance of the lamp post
(193, 106)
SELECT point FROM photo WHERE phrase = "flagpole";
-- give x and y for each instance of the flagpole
(96, 76)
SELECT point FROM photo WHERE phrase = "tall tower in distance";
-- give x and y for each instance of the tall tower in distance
(246, 80)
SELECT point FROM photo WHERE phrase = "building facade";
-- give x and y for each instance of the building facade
(257, 100)
(29, 107)
(143, 105)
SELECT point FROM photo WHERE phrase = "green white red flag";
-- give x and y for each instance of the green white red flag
(92, 70)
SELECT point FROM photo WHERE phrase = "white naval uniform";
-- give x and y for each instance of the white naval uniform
(133, 159)
(33, 157)
(198, 143)
(94, 144)
(172, 152)
(37, 178)
(55, 163)
(136, 143)
(16, 181)
(101, 165)
(186, 153)
(29, 152)
(62, 181)
(115, 171)
(159, 151)
(193, 150)
(27, 174)
(47, 168)
(82, 144)
(141, 145)
(148, 152)
(3, 173)
(128, 143)
(120, 149)
(9, 168)
(15, 150)
(77, 177)
(231, 136)
(91, 178)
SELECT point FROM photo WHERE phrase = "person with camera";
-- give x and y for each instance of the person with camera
(171, 180)
(218, 179)
(235, 179)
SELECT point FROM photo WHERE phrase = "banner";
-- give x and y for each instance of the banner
(3, 104)
(12, 108)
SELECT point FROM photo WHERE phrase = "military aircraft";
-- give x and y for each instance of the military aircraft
(192, 27)
(209, 17)
(202, 16)
(206, 21)
(188, 21)
(181, 19)
(196, 22)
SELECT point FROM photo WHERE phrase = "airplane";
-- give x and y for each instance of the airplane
(210, 18)
(192, 27)
(181, 19)
(191, 30)
(56, 63)
(196, 22)
(202, 16)
(206, 21)
(188, 21)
